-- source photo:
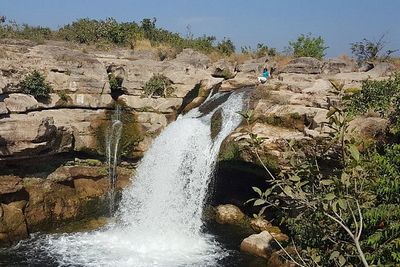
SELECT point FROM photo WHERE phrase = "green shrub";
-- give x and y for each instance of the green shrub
(63, 96)
(115, 82)
(262, 50)
(158, 85)
(226, 47)
(379, 96)
(35, 84)
(308, 46)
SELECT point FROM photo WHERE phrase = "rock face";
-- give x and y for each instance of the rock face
(304, 65)
(82, 98)
(66, 194)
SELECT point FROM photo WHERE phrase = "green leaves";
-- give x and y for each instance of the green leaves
(308, 46)
(354, 152)
(35, 84)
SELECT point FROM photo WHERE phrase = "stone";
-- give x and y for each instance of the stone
(334, 66)
(49, 203)
(3, 108)
(16, 103)
(373, 128)
(163, 105)
(223, 69)
(23, 135)
(192, 57)
(241, 80)
(12, 224)
(303, 65)
(10, 184)
(258, 244)
(229, 214)
(69, 173)
(260, 224)
(88, 188)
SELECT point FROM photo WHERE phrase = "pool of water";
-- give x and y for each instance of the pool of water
(228, 238)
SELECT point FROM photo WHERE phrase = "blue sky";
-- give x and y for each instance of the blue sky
(274, 23)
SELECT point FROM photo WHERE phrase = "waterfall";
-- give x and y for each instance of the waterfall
(159, 221)
(113, 136)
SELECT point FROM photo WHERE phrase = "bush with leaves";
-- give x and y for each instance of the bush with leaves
(347, 215)
(261, 50)
(158, 85)
(367, 50)
(308, 46)
(379, 96)
(226, 47)
(35, 84)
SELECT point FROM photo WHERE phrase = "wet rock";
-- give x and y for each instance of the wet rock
(88, 188)
(229, 214)
(12, 223)
(259, 245)
(260, 224)
(10, 184)
(69, 173)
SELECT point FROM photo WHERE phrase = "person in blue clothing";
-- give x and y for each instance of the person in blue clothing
(265, 75)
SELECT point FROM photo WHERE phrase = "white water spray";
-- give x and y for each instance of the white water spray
(159, 221)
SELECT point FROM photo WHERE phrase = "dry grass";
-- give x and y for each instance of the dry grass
(396, 63)
(282, 60)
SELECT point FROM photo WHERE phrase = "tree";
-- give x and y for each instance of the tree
(367, 50)
(308, 46)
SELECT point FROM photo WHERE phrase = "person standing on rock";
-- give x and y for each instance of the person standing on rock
(264, 77)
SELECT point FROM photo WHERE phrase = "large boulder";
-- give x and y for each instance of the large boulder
(304, 65)
(259, 245)
(21, 136)
(229, 214)
(194, 58)
(20, 103)
(334, 66)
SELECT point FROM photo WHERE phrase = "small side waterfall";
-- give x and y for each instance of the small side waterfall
(159, 221)
(113, 137)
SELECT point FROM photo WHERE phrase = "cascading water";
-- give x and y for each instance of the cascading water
(159, 219)
(113, 136)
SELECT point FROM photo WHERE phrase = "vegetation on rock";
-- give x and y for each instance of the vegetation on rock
(158, 85)
(367, 50)
(131, 133)
(261, 50)
(35, 84)
(382, 97)
(308, 46)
